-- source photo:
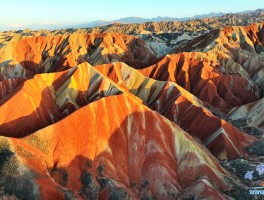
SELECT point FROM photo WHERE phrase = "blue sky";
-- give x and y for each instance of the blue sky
(17, 14)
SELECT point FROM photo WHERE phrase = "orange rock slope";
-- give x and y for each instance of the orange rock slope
(100, 116)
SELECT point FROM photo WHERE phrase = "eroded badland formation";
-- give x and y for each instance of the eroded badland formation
(169, 110)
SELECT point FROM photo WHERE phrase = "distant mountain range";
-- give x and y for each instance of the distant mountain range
(127, 20)
(139, 20)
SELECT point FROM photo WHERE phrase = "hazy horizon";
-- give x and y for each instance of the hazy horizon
(58, 14)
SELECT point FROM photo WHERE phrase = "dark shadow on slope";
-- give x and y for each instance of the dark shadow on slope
(16, 180)
(56, 63)
(45, 114)
(207, 83)
(137, 55)
(136, 52)
(14, 71)
(198, 122)
(199, 42)
(48, 112)
(12, 79)
(10, 92)
(16, 76)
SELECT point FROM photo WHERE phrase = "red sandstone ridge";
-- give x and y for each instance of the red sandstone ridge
(49, 97)
(41, 54)
(181, 107)
(237, 51)
(204, 81)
